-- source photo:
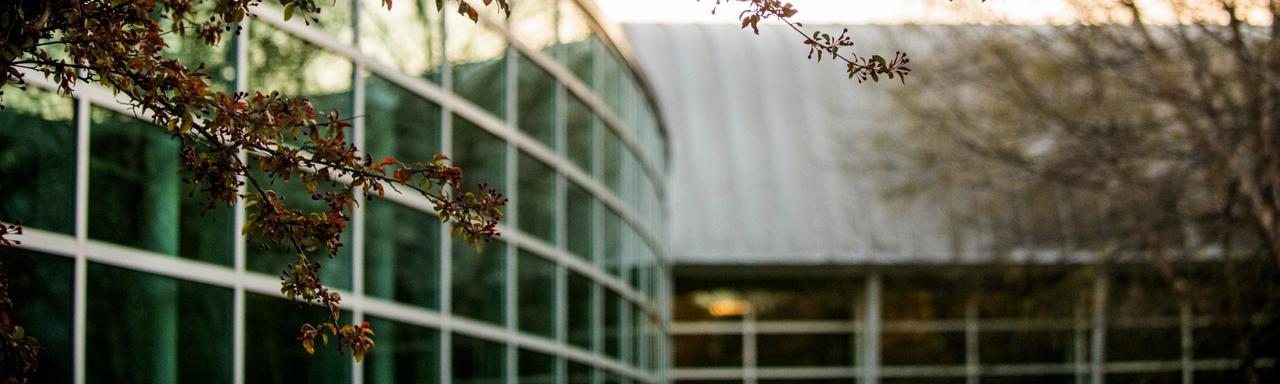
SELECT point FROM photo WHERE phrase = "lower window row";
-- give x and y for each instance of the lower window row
(168, 330)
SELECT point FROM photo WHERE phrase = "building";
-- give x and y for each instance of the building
(791, 264)
(124, 277)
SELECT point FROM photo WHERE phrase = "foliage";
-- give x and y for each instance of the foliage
(119, 45)
(1127, 140)
(18, 350)
(822, 43)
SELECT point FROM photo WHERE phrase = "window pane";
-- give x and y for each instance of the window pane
(922, 348)
(1138, 344)
(481, 155)
(579, 221)
(708, 350)
(536, 293)
(276, 356)
(537, 215)
(405, 354)
(478, 57)
(477, 361)
(1026, 347)
(923, 297)
(609, 85)
(191, 50)
(402, 254)
(137, 196)
(479, 281)
(278, 61)
(580, 133)
(37, 128)
(612, 324)
(806, 350)
(167, 330)
(612, 160)
(580, 373)
(1039, 379)
(40, 287)
(580, 313)
(407, 37)
(612, 242)
(1029, 293)
(399, 123)
(536, 367)
(536, 96)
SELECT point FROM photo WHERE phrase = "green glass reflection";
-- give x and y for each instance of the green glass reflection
(190, 49)
(580, 134)
(157, 328)
(280, 62)
(37, 160)
(580, 313)
(137, 196)
(479, 284)
(609, 85)
(536, 294)
(536, 368)
(481, 155)
(579, 221)
(537, 204)
(613, 324)
(268, 258)
(612, 153)
(612, 242)
(409, 37)
(580, 373)
(638, 336)
(400, 123)
(536, 101)
(40, 286)
(477, 56)
(401, 253)
(405, 354)
(477, 361)
(276, 356)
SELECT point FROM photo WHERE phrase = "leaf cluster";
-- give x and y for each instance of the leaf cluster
(858, 67)
(19, 352)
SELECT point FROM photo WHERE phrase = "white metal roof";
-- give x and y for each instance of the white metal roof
(764, 147)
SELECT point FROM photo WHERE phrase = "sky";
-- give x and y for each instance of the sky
(834, 11)
(853, 12)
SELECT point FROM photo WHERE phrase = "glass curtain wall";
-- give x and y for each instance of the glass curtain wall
(945, 324)
(541, 105)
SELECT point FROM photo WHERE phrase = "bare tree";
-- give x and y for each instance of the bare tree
(1129, 137)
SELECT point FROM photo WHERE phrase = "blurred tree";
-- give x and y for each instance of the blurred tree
(1121, 138)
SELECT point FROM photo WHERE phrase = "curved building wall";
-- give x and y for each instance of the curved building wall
(123, 274)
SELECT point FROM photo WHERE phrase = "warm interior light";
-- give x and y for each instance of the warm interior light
(728, 307)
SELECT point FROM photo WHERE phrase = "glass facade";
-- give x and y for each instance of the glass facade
(943, 324)
(541, 105)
